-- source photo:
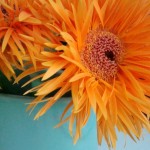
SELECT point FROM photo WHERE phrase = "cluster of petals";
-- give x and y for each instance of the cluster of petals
(50, 36)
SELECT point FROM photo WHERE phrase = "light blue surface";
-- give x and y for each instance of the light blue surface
(18, 130)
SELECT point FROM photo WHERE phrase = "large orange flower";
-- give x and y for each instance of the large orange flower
(20, 31)
(104, 60)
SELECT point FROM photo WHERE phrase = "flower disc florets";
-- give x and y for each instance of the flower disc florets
(102, 53)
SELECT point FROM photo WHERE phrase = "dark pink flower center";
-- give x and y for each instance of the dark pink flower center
(102, 53)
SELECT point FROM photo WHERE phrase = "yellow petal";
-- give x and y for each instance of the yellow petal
(26, 37)
(24, 15)
(79, 76)
(33, 20)
(6, 38)
(58, 65)
(100, 103)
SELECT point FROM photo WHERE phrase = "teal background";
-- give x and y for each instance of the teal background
(18, 130)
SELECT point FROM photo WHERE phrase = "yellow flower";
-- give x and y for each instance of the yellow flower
(105, 63)
(20, 31)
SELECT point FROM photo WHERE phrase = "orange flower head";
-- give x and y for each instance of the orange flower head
(101, 55)
(21, 35)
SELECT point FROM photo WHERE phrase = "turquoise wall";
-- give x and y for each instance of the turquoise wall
(18, 130)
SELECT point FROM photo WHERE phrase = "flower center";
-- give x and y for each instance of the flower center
(102, 53)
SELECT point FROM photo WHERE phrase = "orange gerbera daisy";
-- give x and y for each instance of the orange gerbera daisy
(104, 62)
(20, 31)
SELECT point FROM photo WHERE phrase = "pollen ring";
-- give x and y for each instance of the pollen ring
(102, 53)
